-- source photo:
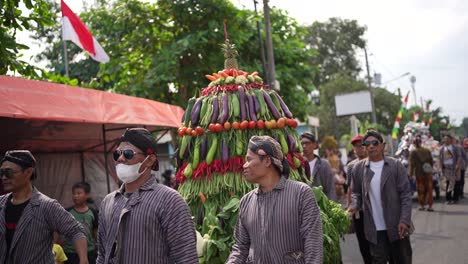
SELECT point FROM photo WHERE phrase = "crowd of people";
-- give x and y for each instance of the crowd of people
(147, 221)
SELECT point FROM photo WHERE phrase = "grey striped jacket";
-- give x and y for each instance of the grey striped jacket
(395, 195)
(153, 225)
(281, 226)
(32, 241)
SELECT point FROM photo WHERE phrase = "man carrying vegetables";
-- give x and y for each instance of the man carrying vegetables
(143, 221)
(279, 221)
(380, 187)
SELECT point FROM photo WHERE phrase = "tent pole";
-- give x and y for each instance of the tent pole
(105, 157)
(83, 179)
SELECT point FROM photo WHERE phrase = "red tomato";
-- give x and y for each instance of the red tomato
(194, 133)
(200, 131)
(212, 127)
(218, 127)
(260, 124)
(281, 122)
(235, 125)
(189, 131)
(294, 123)
(252, 125)
(181, 131)
(227, 125)
(244, 124)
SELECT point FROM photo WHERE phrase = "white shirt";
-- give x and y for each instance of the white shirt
(312, 165)
(447, 155)
(375, 195)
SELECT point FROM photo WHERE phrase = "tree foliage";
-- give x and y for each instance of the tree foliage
(163, 50)
(13, 18)
(336, 41)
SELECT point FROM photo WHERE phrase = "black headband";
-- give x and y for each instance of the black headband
(140, 138)
(309, 136)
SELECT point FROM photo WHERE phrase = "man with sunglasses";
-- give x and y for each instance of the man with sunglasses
(143, 221)
(317, 170)
(381, 189)
(278, 222)
(28, 218)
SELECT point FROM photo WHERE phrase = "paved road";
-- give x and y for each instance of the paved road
(439, 237)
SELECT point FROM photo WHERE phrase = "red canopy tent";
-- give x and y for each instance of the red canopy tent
(50, 118)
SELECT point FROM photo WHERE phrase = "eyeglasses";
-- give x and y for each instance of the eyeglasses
(9, 173)
(371, 142)
(127, 153)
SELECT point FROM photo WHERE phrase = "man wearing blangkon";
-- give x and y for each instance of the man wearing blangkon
(381, 189)
(278, 222)
(28, 218)
(143, 222)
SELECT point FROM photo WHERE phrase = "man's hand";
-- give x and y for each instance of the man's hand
(351, 210)
(403, 230)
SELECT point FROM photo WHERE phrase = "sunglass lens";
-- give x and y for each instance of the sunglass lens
(7, 172)
(128, 154)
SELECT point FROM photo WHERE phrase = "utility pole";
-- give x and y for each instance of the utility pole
(374, 118)
(413, 81)
(269, 46)
(262, 48)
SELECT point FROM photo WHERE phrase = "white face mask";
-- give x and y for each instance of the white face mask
(128, 173)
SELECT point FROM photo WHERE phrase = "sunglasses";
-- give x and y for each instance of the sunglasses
(127, 153)
(9, 173)
(371, 142)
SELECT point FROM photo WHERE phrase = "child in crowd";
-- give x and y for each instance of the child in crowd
(88, 217)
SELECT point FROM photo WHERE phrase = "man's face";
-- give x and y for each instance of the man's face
(465, 143)
(135, 154)
(79, 196)
(447, 140)
(359, 150)
(374, 148)
(308, 147)
(255, 166)
(19, 178)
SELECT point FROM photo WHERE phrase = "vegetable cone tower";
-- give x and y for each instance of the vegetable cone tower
(217, 127)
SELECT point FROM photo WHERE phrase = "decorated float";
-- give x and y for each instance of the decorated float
(213, 140)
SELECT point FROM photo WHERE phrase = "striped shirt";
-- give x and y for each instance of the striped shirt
(32, 241)
(152, 225)
(280, 226)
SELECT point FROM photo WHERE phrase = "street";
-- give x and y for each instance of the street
(439, 237)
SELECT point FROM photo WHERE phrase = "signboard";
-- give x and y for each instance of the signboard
(314, 121)
(353, 103)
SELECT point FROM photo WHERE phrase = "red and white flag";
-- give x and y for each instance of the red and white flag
(73, 29)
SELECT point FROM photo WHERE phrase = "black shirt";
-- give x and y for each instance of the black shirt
(12, 216)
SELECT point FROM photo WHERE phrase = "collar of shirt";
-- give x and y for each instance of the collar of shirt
(367, 162)
(278, 186)
(148, 185)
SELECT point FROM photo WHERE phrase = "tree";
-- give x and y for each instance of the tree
(13, 19)
(163, 50)
(336, 41)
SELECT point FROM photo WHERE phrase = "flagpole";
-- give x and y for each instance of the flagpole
(65, 57)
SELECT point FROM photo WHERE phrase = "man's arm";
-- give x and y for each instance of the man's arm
(240, 250)
(328, 181)
(101, 233)
(311, 227)
(65, 224)
(412, 163)
(356, 190)
(180, 230)
(403, 189)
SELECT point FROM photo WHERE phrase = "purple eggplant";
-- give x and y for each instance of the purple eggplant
(214, 116)
(225, 152)
(225, 113)
(285, 108)
(271, 105)
(291, 143)
(242, 102)
(256, 103)
(195, 115)
(252, 114)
